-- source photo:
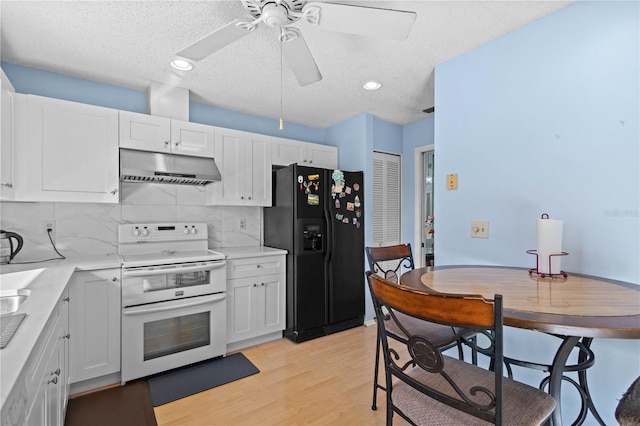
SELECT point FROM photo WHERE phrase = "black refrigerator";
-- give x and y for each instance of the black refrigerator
(318, 217)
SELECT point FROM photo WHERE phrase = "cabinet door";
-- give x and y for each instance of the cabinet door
(145, 132)
(229, 155)
(94, 312)
(72, 152)
(192, 139)
(322, 156)
(6, 140)
(287, 151)
(241, 308)
(257, 173)
(271, 300)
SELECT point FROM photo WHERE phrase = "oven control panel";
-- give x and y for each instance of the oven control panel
(134, 232)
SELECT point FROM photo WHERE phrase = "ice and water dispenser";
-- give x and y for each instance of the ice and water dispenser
(312, 237)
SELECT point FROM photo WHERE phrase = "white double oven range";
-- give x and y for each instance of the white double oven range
(173, 297)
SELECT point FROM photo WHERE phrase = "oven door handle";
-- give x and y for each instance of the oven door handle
(175, 270)
(193, 302)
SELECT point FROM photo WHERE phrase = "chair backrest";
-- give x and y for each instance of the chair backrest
(462, 313)
(389, 261)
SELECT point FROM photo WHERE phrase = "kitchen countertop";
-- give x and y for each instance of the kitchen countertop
(249, 251)
(46, 290)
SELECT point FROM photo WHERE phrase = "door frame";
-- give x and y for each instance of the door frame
(418, 168)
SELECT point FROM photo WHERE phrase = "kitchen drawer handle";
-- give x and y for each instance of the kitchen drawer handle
(147, 310)
(67, 336)
(56, 373)
(54, 380)
(114, 192)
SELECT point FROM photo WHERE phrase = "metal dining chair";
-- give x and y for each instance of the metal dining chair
(426, 387)
(390, 262)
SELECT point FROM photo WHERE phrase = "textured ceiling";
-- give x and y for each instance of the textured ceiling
(130, 43)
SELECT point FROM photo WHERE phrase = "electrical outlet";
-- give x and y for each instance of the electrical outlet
(479, 229)
(242, 224)
(49, 225)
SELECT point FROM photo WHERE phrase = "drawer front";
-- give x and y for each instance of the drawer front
(255, 266)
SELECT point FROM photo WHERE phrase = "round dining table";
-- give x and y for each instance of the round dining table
(576, 308)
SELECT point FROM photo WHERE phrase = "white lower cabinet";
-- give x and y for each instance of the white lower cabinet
(46, 377)
(255, 298)
(94, 324)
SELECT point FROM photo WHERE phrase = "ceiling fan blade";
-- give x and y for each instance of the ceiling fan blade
(298, 56)
(217, 40)
(368, 21)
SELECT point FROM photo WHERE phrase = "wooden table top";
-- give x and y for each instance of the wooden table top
(576, 306)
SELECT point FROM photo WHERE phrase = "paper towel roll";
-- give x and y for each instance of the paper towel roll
(549, 238)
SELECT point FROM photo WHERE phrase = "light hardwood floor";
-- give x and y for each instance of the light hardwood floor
(325, 381)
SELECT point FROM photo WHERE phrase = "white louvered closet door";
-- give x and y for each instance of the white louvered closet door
(386, 199)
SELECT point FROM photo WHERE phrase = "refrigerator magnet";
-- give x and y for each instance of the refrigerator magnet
(347, 190)
(339, 216)
(337, 203)
(356, 201)
(313, 199)
(358, 213)
(350, 207)
(300, 180)
(356, 187)
(313, 177)
(345, 220)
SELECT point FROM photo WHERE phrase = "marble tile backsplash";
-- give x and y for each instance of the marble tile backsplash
(92, 229)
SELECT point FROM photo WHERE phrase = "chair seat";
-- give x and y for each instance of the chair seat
(522, 404)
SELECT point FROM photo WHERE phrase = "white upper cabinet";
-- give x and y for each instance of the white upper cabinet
(287, 151)
(7, 183)
(159, 134)
(244, 160)
(66, 151)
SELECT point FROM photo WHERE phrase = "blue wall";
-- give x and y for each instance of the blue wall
(546, 120)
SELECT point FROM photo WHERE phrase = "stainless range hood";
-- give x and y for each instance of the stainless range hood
(157, 167)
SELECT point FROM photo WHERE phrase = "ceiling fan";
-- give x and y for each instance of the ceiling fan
(367, 21)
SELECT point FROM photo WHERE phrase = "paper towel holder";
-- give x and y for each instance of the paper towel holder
(544, 274)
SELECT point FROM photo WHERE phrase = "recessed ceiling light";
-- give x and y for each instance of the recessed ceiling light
(181, 65)
(372, 85)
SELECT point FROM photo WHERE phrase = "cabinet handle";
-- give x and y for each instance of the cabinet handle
(114, 279)
(255, 285)
(261, 284)
(114, 192)
(67, 336)
(7, 185)
(242, 197)
(54, 380)
(304, 161)
(310, 161)
(66, 299)
(178, 143)
(249, 198)
(258, 266)
(56, 373)
(166, 143)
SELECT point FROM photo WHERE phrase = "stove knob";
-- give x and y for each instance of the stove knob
(186, 230)
(194, 230)
(136, 232)
(145, 232)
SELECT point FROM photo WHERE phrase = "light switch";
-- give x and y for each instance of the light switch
(452, 181)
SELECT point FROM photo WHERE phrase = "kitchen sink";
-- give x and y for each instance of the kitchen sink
(10, 300)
